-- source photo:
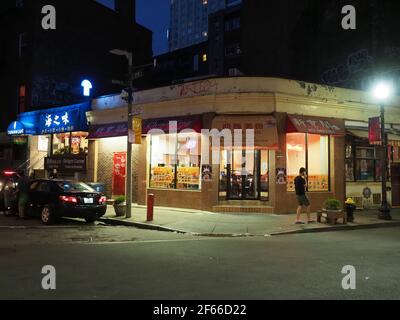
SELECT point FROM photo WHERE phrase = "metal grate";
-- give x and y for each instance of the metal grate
(376, 198)
(358, 201)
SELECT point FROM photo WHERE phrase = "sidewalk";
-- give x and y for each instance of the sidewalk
(205, 223)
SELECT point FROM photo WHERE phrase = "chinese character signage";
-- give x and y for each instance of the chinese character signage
(314, 125)
(374, 132)
(61, 121)
(264, 129)
(119, 173)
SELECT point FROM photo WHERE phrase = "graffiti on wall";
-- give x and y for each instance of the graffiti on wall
(48, 91)
(357, 71)
(196, 88)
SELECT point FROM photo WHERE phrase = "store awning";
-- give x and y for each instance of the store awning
(55, 120)
(265, 129)
(109, 130)
(393, 139)
(363, 134)
(315, 125)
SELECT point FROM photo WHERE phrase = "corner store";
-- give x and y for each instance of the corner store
(309, 130)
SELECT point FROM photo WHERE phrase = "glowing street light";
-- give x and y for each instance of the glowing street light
(382, 92)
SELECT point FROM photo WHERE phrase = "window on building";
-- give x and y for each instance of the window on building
(196, 62)
(22, 98)
(232, 24)
(22, 43)
(175, 161)
(205, 57)
(311, 152)
(363, 162)
(233, 50)
(75, 143)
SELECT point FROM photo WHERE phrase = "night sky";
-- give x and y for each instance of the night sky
(153, 14)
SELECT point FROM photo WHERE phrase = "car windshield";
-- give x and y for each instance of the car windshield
(75, 186)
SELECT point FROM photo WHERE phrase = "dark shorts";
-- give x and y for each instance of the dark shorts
(303, 200)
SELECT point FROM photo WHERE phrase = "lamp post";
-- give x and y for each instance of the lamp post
(382, 92)
(128, 191)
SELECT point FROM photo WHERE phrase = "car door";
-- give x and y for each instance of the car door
(44, 194)
(33, 204)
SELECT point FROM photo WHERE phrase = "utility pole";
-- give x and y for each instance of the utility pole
(384, 210)
(128, 213)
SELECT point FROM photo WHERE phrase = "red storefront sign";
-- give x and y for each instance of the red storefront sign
(119, 173)
(109, 130)
(314, 125)
(374, 130)
(182, 123)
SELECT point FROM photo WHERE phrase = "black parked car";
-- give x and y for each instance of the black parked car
(8, 187)
(53, 199)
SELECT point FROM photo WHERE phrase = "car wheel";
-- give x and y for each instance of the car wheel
(90, 220)
(9, 213)
(47, 216)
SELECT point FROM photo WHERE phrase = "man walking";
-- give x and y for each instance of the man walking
(301, 185)
(23, 189)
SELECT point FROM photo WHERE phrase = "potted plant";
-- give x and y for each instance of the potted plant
(119, 206)
(332, 205)
(332, 211)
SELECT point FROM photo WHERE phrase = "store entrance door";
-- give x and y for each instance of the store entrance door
(244, 175)
(395, 172)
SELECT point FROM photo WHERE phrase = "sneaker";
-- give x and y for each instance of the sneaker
(300, 222)
(311, 221)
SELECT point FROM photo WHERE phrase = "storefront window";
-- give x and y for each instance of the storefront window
(223, 174)
(70, 143)
(79, 143)
(296, 156)
(312, 152)
(175, 161)
(364, 163)
(264, 175)
(61, 143)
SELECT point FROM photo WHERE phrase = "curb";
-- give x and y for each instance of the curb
(140, 225)
(340, 228)
(155, 227)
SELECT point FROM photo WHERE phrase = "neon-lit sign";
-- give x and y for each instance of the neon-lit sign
(16, 128)
(57, 122)
(87, 86)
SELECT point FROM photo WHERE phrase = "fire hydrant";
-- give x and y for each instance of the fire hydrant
(350, 207)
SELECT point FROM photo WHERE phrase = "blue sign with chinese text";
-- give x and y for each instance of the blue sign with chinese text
(59, 121)
(55, 120)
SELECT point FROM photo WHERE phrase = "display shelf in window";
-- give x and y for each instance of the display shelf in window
(188, 177)
(162, 177)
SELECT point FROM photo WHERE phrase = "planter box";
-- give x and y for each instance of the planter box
(331, 216)
(120, 210)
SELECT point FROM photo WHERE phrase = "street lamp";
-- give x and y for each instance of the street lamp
(382, 92)
(128, 192)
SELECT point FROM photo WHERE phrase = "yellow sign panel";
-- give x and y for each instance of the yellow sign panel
(137, 128)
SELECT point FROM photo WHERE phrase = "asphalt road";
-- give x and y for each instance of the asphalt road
(103, 262)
